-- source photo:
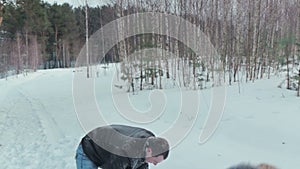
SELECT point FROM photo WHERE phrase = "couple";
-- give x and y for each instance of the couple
(120, 147)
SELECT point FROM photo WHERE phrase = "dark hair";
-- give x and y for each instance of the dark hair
(159, 146)
(243, 166)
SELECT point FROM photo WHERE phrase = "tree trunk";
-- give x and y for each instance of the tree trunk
(298, 93)
(57, 48)
(1, 12)
(36, 54)
(249, 43)
(256, 35)
(19, 53)
(287, 67)
(26, 51)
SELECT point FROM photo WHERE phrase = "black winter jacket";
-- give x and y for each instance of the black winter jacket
(117, 147)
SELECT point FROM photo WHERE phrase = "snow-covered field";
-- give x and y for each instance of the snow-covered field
(39, 127)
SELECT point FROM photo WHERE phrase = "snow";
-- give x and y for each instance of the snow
(40, 126)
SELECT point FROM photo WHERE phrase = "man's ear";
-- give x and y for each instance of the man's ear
(148, 152)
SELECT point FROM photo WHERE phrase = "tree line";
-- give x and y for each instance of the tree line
(255, 37)
(35, 34)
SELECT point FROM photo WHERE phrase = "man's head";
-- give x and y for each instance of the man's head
(157, 150)
(243, 166)
(248, 166)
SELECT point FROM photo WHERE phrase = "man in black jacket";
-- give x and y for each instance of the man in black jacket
(120, 147)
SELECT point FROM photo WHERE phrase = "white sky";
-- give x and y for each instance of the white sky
(77, 3)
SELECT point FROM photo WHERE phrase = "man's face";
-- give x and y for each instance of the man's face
(155, 160)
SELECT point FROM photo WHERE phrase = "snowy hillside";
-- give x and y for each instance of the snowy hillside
(39, 127)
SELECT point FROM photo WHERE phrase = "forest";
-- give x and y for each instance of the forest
(257, 37)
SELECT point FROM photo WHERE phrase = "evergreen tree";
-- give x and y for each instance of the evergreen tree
(65, 33)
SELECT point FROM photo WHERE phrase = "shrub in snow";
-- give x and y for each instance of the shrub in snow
(294, 80)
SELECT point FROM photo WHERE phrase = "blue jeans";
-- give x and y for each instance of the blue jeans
(82, 161)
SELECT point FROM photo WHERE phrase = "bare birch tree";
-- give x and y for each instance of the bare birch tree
(1, 11)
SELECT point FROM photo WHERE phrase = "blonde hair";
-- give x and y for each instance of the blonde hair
(249, 166)
(266, 166)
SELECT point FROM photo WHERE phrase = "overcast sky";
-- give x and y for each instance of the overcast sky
(77, 3)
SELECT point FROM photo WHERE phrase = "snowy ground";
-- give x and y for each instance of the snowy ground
(39, 127)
